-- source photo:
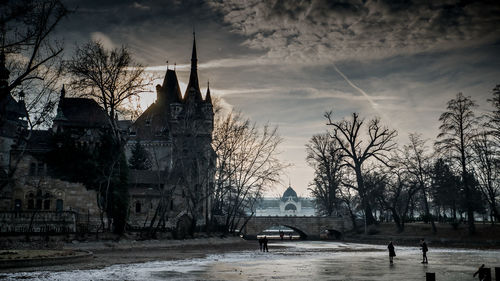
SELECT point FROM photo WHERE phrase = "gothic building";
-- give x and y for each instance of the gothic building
(176, 131)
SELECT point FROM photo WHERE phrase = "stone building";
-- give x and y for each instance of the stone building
(289, 204)
(176, 131)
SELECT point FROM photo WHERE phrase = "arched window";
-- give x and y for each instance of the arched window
(290, 207)
(59, 205)
(137, 207)
(31, 201)
(46, 204)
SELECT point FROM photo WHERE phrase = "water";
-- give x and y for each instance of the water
(296, 261)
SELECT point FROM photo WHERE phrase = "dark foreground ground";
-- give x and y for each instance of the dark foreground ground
(131, 251)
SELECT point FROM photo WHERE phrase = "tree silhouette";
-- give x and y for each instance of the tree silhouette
(458, 130)
(357, 149)
(140, 159)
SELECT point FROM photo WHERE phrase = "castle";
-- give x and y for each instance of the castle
(174, 190)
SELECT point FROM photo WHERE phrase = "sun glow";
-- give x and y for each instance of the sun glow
(149, 97)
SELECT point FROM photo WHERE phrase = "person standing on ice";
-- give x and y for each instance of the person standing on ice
(392, 253)
(424, 248)
(265, 249)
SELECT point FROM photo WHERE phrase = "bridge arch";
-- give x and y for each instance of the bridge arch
(307, 227)
(302, 233)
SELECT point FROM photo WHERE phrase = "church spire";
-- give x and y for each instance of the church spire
(208, 97)
(193, 92)
(194, 57)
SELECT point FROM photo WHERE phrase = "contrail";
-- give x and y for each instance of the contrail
(368, 98)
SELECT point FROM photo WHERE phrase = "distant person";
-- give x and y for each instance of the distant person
(282, 235)
(392, 253)
(261, 242)
(480, 272)
(424, 248)
(264, 241)
(290, 236)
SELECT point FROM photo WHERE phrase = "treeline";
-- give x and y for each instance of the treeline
(362, 172)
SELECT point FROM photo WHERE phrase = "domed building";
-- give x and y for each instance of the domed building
(289, 204)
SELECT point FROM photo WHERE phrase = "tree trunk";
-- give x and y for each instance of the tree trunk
(427, 212)
(362, 193)
(397, 220)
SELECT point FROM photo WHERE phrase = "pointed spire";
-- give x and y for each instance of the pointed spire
(208, 97)
(194, 57)
(193, 92)
(170, 87)
(60, 115)
(63, 93)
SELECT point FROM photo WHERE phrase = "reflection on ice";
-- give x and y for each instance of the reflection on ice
(297, 261)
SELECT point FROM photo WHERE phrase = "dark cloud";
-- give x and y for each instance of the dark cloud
(335, 30)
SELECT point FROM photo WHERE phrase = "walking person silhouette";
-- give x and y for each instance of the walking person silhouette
(424, 248)
(392, 253)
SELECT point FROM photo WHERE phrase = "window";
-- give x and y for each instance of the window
(46, 204)
(33, 169)
(59, 205)
(41, 169)
(31, 204)
(137, 207)
(31, 201)
(17, 205)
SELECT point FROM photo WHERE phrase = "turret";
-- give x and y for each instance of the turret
(207, 107)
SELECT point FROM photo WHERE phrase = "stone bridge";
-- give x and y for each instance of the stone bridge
(307, 227)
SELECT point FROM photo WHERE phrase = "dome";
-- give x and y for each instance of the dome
(289, 192)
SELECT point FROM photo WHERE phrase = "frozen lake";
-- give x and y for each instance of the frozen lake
(301, 260)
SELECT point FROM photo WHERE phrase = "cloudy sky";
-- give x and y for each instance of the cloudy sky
(287, 62)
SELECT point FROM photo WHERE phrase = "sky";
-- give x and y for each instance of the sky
(288, 62)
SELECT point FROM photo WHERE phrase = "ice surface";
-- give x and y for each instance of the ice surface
(296, 261)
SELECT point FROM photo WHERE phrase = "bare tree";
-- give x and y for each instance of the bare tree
(325, 157)
(493, 118)
(418, 164)
(487, 170)
(109, 77)
(378, 142)
(456, 138)
(247, 164)
(32, 59)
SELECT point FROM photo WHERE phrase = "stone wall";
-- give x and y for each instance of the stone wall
(33, 190)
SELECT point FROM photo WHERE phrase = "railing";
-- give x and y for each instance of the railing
(38, 222)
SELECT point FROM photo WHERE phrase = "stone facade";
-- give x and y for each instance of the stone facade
(34, 191)
(288, 205)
